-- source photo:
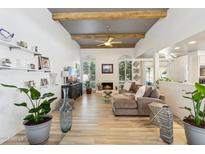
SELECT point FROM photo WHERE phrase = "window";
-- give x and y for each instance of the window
(125, 70)
(149, 78)
(89, 72)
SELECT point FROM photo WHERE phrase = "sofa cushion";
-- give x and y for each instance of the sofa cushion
(155, 94)
(122, 101)
(132, 86)
(140, 92)
(127, 86)
(148, 91)
(135, 88)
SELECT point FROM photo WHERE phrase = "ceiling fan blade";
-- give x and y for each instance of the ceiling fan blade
(100, 44)
(110, 39)
(100, 41)
(116, 42)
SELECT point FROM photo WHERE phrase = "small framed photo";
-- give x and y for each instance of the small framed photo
(44, 63)
(107, 68)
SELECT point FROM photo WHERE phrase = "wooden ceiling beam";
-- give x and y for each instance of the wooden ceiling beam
(102, 47)
(138, 14)
(105, 36)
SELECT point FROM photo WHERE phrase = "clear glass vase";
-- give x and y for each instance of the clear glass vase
(66, 113)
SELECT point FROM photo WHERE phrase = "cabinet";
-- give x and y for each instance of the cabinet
(75, 90)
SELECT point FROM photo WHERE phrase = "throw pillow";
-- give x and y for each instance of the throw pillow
(140, 92)
(132, 86)
(127, 86)
(155, 93)
(148, 92)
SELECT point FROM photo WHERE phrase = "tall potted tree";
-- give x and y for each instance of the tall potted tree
(194, 124)
(37, 122)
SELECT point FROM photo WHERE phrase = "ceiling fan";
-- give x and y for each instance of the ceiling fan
(109, 41)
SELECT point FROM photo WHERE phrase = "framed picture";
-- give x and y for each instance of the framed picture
(107, 68)
(44, 63)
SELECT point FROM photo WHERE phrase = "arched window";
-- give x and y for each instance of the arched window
(125, 69)
(89, 71)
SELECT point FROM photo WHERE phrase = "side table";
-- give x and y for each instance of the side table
(155, 109)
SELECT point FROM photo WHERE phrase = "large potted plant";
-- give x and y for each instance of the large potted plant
(37, 122)
(194, 124)
(88, 87)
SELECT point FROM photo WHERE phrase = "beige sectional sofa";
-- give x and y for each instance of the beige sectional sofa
(125, 104)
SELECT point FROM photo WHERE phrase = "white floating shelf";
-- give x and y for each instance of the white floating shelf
(23, 69)
(14, 46)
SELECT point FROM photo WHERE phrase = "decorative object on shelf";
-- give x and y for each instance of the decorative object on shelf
(5, 62)
(44, 63)
(88, 87)
(38, 121)
(107, 68)
(34, 48)
(166, 124)
(136, 71)
(99, 86)
(66, 113)
(194, 124)
(30, 83)
(32, 66)
(53, 77)
(5, 35)
(22, 44)
(44, 82)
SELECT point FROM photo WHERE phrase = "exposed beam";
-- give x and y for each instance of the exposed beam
(105, 36)
(114, 46)
(138, 14)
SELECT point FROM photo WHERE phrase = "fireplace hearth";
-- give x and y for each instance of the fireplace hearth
(107, 85)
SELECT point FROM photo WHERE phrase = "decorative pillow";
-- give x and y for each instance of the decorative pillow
(148, 91)
(136, 87)
(140, 92)
(127, 86)
(155, 94)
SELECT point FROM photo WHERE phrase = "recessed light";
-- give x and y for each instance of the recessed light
(192, 42)
(176, 48)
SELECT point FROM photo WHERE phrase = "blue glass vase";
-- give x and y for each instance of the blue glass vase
(66, 113)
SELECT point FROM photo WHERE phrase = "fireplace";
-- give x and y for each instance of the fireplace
(107, 85)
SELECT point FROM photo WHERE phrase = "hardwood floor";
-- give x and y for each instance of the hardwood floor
(94, 123)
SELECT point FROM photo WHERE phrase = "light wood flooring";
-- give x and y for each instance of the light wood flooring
(94, 123)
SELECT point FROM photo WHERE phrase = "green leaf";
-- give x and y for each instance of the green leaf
(25, 90)
(47, 95)
(197, 97)
(34, 110)
(35, 94)
(186, 108)
(200, 88)
(9, 86)
(21, 104)
(29, 117)
(187, 97)
(45, 107)
(52, 99)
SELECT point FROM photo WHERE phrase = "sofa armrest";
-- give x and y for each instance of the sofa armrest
(143, 102)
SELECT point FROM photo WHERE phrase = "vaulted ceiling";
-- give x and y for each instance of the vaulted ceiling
(89, 26)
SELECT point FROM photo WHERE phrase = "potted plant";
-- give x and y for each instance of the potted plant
(194, 124)
(88, 87)
(37, 122)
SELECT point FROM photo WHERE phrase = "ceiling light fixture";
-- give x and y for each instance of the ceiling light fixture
(192, 42)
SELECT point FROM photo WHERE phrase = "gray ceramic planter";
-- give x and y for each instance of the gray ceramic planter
(194, 135)
(38, 134)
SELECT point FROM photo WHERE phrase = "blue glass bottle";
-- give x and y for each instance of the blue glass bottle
(66, 113)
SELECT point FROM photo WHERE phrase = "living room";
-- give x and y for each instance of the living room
(102, 76)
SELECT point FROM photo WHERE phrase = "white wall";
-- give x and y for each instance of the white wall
(177, 26)
(178, 69)
(107, 56)
(36, 27)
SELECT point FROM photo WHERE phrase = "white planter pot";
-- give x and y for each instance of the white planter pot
(194, 135)
(38, 134)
